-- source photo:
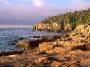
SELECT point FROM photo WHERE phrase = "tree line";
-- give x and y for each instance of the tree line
(74, 18)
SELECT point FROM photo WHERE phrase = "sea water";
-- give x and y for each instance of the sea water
(7, 35)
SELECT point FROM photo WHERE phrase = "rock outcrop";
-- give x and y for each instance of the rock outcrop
(77, 39)
(23, 44)
(82, 35)
(47, 27)
(52, 27)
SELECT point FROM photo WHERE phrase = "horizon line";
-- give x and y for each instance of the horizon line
(15, 26)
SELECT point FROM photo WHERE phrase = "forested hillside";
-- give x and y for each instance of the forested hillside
(76, 17)
(67, 21)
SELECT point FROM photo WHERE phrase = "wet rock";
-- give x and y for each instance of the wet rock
(6, 65)
(14, 41)
(52, 57)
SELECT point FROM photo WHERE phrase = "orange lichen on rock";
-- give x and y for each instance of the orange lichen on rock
(45, 46)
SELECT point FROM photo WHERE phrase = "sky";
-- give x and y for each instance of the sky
(28, 12)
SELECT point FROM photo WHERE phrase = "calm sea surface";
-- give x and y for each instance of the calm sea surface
(7, 35)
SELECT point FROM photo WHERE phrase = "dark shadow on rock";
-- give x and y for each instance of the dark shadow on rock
(35, 43)
(80, 47)
(10, 53)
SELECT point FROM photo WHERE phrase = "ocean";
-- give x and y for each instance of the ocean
(8, 35)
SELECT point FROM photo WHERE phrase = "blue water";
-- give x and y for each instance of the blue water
(7, 35)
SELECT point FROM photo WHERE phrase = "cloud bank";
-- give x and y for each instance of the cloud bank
(33, 9)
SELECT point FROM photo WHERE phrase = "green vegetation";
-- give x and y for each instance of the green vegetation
(73, 18)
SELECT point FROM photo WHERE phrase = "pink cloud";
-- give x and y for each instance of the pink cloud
(31, 12)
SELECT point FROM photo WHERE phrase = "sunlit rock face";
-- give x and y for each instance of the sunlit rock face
(39, 26)
(67, 27)
(55, 27)
(82, 35)
(45, 46)
(77, 39)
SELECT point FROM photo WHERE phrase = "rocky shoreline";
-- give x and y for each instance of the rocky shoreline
(52, 27)
(70, 50)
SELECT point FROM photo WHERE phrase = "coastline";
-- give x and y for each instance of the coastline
(72, 49)
(69, 50)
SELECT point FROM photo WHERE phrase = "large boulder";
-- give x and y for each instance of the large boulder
(23, 44)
